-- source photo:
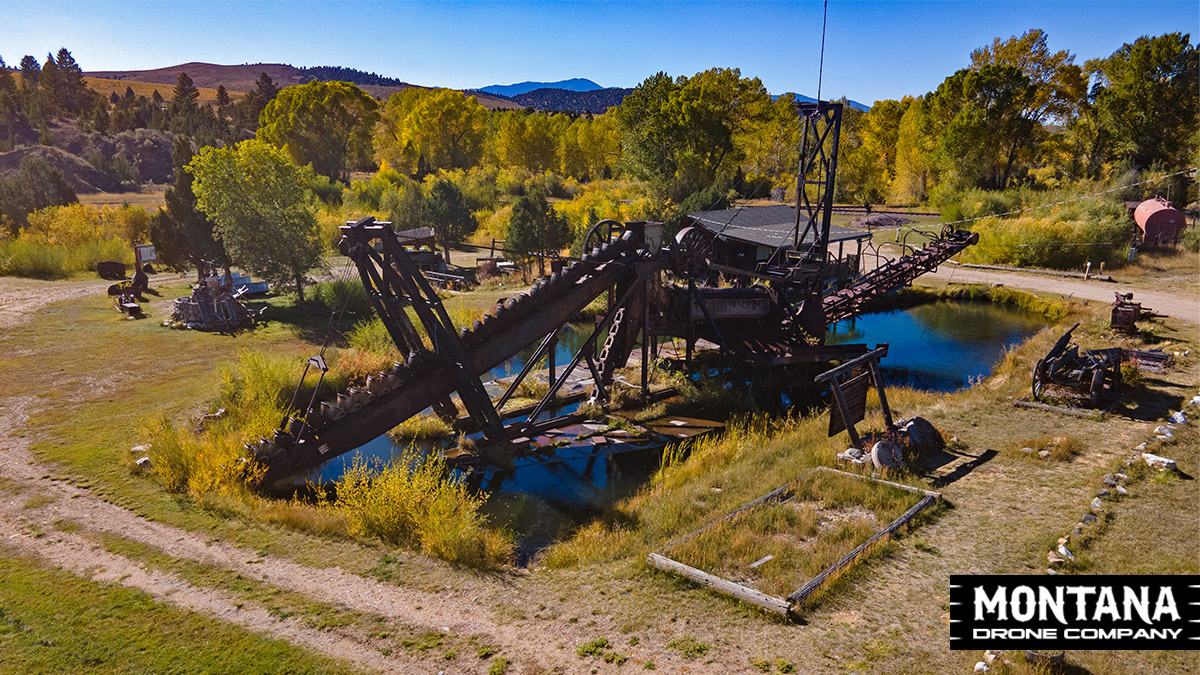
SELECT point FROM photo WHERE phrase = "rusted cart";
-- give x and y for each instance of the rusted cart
(1096, 371)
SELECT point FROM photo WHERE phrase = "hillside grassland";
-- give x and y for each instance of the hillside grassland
(107, 87)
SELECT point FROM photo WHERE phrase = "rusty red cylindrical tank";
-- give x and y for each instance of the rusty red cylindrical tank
(1159, 220)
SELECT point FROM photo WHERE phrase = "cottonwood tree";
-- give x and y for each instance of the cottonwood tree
(423, 130)
(1147, 100)
(536, 229)
(982, 119)
(681, 134)
(325, 124)
(260, 202)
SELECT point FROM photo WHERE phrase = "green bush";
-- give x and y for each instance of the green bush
(1063, 237)
(22, 258)
(414, 502)
(1190, 241)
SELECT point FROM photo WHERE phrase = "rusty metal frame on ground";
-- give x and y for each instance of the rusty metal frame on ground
(790, 605)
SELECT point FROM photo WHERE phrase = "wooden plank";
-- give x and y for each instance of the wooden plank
(778, 493)
(879, 352)
(872, 479)
(770, 603)
(853, 396)
(1054, 408)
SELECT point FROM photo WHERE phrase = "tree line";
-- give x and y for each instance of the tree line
(1019, 115)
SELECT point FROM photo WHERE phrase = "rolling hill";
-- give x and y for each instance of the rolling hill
(241, 78)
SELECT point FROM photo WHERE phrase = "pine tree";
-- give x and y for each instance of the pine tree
(30, 71)
(183, 101)
(73, 90)
(266, 88)
(222, 96)
(50, 85)
(179, 231)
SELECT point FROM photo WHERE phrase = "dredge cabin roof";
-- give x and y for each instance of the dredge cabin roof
(764, 225)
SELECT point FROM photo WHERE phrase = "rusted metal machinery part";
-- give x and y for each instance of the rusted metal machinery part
(895, 274)
(1096, 371)
(356, 416)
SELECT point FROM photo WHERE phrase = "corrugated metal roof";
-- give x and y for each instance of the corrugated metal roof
(764, 225)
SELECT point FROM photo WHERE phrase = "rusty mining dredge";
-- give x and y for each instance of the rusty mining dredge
(778, 318)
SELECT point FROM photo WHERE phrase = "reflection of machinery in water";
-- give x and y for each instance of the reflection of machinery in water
(653, 291)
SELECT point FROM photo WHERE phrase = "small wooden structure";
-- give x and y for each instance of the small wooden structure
(849, 383)
(790, 605)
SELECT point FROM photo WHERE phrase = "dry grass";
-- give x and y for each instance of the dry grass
(1060, 448)
(106, 87)
(826, 517)
(149, 197)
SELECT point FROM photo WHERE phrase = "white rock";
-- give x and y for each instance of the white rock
(991, 656)
(1196, 400)
(981, 667)
(1097, 505)
(139, 450)
(143, 464)
(1179, 418)
(1161, 430)
(1160, 463)
(887, 455)
(1043, 453)
(1121, 490)
(1065, 552)
(1139, 447)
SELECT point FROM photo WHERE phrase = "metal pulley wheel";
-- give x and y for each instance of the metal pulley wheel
(692, 252)
(604, 232)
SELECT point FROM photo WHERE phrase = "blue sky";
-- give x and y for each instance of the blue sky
(874, 49)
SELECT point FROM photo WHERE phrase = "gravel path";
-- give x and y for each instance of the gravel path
(1177, 305)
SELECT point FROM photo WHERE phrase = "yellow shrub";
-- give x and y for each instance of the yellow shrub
(414, 503)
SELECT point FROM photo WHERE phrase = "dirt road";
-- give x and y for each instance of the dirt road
(20, 298)
(1180, 306)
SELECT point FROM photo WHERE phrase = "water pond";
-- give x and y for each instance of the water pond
(941, 346)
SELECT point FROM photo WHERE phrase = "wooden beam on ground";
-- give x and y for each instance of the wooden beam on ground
(1090, 414)
(745, 594)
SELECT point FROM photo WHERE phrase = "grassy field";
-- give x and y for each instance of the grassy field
(52, 621)
(1004, 508)
(107, 87)
(149, 197)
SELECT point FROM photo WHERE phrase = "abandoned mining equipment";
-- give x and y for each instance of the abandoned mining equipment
(654, 291)
(213, 306)
(1096, 371)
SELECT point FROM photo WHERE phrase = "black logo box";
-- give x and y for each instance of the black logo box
(1106, 612)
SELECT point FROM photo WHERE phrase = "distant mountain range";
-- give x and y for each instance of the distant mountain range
(513, 90)
(808, 99)
(558, 100)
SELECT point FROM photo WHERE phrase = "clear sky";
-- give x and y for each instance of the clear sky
(874, 49)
